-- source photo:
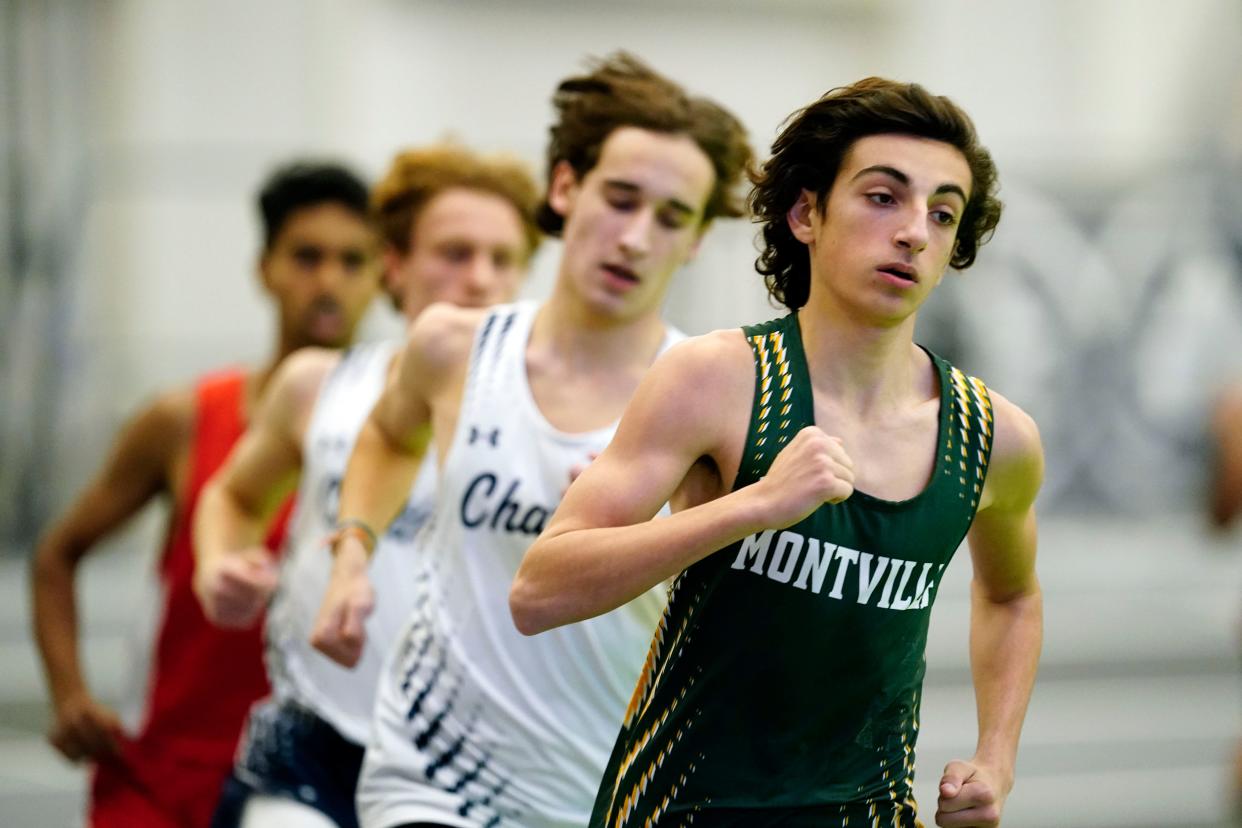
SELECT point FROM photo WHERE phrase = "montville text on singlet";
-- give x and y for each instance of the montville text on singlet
(849, 574)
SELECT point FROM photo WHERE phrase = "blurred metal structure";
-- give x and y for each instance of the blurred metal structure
(1175, 240)
(1031, 318)
(45, 176)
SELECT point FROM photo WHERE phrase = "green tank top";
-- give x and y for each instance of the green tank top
(786, 673)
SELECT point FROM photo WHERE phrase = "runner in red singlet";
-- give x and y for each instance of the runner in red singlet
(319, 265)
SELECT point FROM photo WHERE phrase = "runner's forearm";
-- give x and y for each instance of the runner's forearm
(577, 574)
(223, 524)
(54, 604)
(378, 479)
(1005, 641)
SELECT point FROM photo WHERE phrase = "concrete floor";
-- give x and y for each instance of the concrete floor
(1132, 724)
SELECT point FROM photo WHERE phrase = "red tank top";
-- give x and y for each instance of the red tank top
(203, 678)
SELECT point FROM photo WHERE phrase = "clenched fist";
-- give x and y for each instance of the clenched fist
(340, 628)
(85, 729)
(813, 469)
(234, 588)
(970, 797)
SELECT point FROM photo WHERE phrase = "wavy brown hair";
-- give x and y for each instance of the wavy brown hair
(809, 151)
(621, 91)
(416, 176)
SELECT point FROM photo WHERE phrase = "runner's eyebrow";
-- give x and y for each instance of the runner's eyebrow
(902, 178)
(633, 189)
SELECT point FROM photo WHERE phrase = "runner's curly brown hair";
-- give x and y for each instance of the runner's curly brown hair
(809, 151)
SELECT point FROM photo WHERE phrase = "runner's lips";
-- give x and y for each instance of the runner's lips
(901, 271)
(622, 272)
(325, 313)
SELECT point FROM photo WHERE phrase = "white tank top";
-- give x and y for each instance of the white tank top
(524, 724)
(299, 673)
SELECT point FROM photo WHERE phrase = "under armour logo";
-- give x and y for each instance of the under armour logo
(492, 436)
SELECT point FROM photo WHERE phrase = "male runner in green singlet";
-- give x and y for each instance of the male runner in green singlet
(823, 468)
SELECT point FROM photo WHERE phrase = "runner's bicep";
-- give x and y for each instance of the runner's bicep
(658, 441)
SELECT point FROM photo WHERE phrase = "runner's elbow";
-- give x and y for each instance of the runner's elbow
(56, 556)
(528, 606)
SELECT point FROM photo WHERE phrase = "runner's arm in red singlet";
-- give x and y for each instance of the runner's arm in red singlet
(1006, 621)
(678, 441)
(234, 574)
(423, 389)
(146, 460)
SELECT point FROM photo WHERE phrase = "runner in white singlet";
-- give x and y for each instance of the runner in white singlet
(477, 725)
(511, 724)
(460, 228)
